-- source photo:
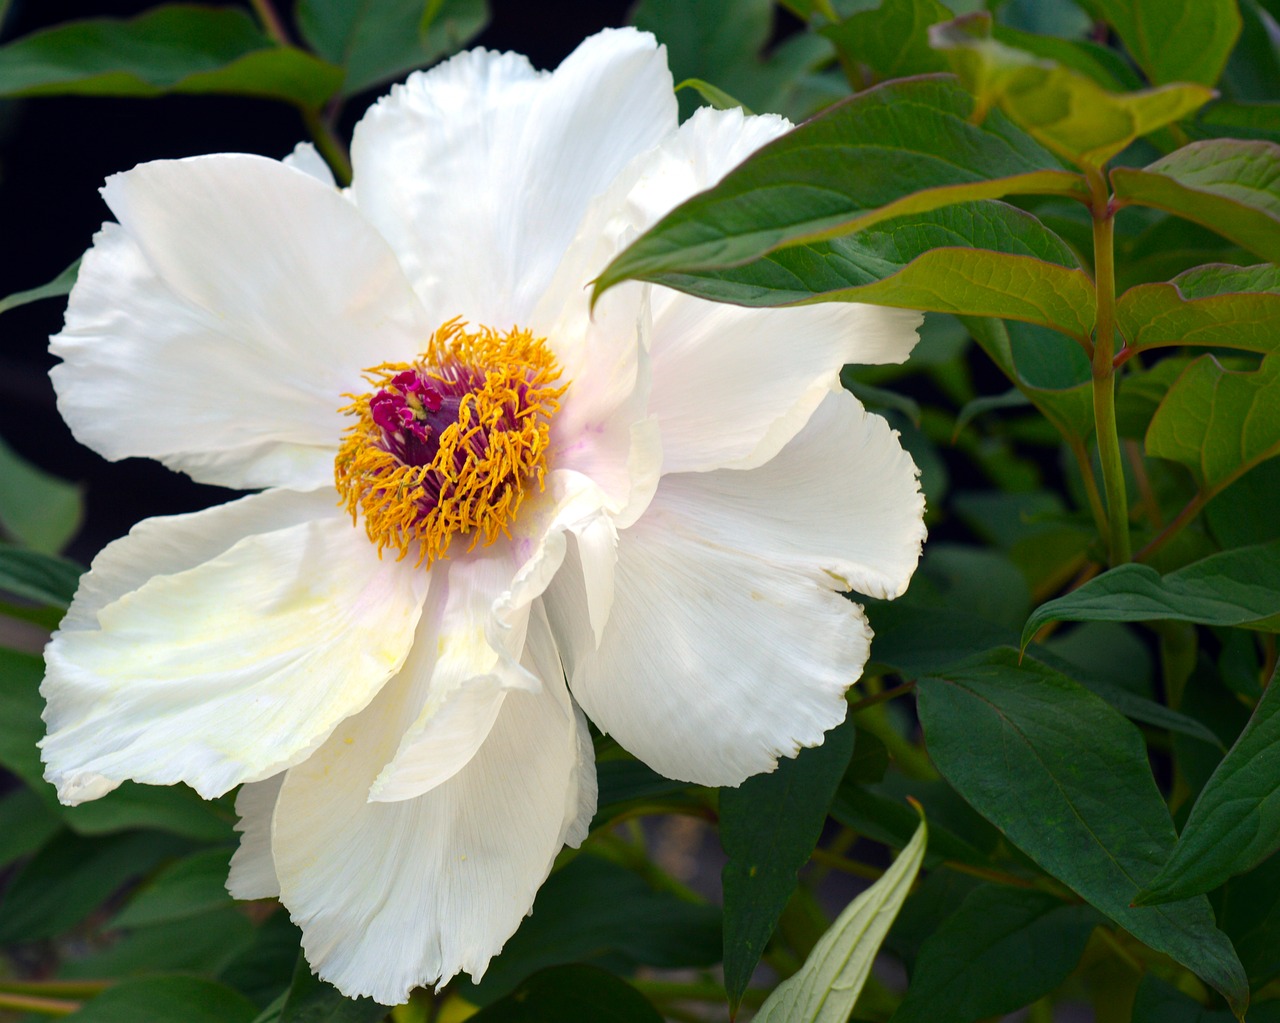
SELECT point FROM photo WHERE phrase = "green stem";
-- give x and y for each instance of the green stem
(1085, 463)
(1104, 384)
(41, 1006)
(327, 142)
(882, 696)
(272, 23)
(55, 988)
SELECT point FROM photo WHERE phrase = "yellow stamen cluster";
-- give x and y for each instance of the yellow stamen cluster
(487, 461)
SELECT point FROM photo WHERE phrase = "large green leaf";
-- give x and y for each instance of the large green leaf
(1103, 65)
(44, 578)
(312, 1000)
(1235, 587)
(914, 150)
(1071, 787)
(826, 987)
(769, 826)
(1235, 823)
(377, 40)
(571, 994)
(205, 945)
(892, 40)
(1175, 40)
(26, 823)
(723, 43)
(72, 876)
(1160, 1002)
(593, 908)
(1227, 119)
(36, 508)
(173, 48)
(975, 259)
(1217, 422)
(1251, 915)
(1063, 109)
(1230, 186)
(183, 889)
(1002, 949)
(1217, 306)
(168, 1000)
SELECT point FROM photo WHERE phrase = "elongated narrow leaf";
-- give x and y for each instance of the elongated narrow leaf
(1063, 109)
(1235, 823)
(59, 286)
(768, 827)
(375, 42)
(1230, 186)
(1235, 587)
(826, 987)
(571, 994)
(974, 258)
(900, 148)
(1002, 949)
(1217, 422)
(174, 48)
(1175, 40)
(1217, 306)
(1071, 787)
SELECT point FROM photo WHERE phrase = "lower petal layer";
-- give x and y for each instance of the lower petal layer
(234, 663)
(391, 896)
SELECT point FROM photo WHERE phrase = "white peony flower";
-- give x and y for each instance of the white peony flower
(660, 501)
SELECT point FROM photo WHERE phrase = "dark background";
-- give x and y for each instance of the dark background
(54, 155)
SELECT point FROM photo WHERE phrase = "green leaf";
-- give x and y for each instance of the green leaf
(826, 987)
(312, 1000)
(175, 809)
(1230, 186)
(1254, 66)
(625, 783)
(1235, 822)
(26, 823)
(376, 42)
(769, 826)
(167, 1000)
(723, 42)
(1052, 372)
(1002, 949)
(183, 889)
(1160, 1002)
(1064, 110)
(1251, 915)
(72, 876)
(56, 288)
(892, 40)
(571, 994)
(37, 509)
(1234, 587)
(44, 578)
(1217, 306)
(988, 403)
(173, 48)
(20, 708)
(593, 908)
(1217, 422)
(1072, 789)
(974, 258)
(204, 945)
(1175, 40)
(915, 151)
(1228, 119)
(1104, 66)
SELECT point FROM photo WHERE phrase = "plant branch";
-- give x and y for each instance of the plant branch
(1104, 384)
(40, 1006)
(271, 21)
(882, 696)
(1189, 511)
(1090, 484)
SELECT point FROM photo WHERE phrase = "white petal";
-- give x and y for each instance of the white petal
(479, 170)
(229, 670)
(218, 325)
(253, 870)
(732, 385)
(459, 672)
(391, 896)
(306, 159)
(842, 497)
(726, 645)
